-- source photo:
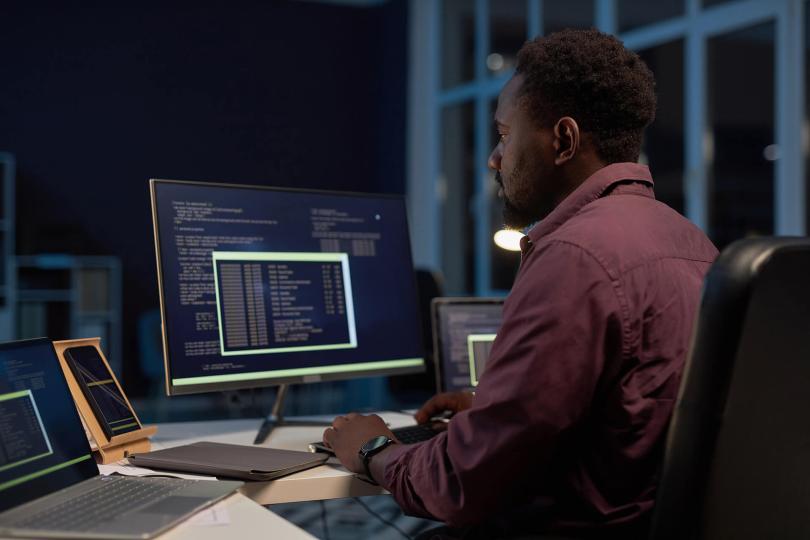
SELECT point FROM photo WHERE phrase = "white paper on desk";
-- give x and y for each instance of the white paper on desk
(130, 470)
(211, 517)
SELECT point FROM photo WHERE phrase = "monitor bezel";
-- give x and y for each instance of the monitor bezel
(436, 305)
(173, 390)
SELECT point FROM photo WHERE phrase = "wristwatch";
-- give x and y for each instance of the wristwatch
(370, 449)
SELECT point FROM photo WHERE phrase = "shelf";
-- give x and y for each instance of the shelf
(46, 295)
(96, 314)
(70, 296)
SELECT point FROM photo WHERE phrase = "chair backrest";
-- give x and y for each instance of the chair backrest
(737, 458)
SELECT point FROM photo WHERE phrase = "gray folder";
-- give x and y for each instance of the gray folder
(229, 460)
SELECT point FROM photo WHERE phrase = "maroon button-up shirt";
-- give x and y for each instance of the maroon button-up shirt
(570, 416)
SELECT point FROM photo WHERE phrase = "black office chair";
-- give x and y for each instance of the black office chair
(737, 460)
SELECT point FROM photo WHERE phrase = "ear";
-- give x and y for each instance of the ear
(566, 140)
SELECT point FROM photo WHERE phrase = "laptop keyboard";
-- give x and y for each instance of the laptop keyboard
(116, 495)
(414, 434)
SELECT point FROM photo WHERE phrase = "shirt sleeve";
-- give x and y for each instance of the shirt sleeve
(560, 321)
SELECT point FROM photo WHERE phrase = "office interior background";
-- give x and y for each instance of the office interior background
(388, 96)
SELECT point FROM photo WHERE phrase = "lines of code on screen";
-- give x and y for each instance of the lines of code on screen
(22, 435)
(457, 322)
(260, 280)
(283, 302)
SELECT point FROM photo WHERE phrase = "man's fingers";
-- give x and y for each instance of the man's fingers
(340, 421)
(447, 401)
(435, 404)
(328, 434)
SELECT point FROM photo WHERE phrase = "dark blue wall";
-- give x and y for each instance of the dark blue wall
(97, 99)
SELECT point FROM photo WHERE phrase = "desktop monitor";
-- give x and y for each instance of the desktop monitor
(463, 332)
(267, 286)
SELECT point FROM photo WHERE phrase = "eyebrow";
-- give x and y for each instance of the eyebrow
(498, 123)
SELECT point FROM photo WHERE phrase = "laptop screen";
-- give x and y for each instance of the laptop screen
(464, 329)
(43, 447)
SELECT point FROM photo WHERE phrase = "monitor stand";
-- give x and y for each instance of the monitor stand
(276, 418)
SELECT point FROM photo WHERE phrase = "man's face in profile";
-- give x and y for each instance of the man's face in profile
(522, 161)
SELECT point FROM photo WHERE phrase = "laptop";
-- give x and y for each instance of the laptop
(464, 329)
(50, 486)
(463, 332)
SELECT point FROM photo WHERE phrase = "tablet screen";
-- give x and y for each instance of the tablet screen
(101, 391)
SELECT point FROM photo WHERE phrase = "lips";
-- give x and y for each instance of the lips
(499, 181)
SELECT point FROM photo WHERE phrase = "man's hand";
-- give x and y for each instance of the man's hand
(348, 433)
(449, 401)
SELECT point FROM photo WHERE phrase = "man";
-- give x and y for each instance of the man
(565, 432)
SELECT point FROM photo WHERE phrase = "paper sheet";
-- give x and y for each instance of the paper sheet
(211, 517)
(123, 468)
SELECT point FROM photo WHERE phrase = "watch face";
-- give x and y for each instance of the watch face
(374, 443)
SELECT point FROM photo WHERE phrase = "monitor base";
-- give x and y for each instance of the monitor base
(276, 418)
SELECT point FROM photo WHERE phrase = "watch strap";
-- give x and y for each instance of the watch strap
(367, 455)
(366, 461)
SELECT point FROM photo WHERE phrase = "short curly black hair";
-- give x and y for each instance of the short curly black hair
(591, 77)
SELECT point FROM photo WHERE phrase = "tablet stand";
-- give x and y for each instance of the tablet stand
(119, 446)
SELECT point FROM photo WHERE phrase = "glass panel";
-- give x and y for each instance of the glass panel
(3, 261)
(634, 13)
(36, 319)
(663, 146)
(806, 125)
(93, 289)
(507, 34)
(503, 264)
(455, 191)
(569, 14)
(32, 278)
(458, 42)
(710, 3)
(4, 181)
(741, 121)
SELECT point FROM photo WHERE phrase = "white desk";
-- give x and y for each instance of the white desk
(248, 520)
(328, 481)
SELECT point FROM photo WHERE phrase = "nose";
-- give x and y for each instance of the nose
(494, 161)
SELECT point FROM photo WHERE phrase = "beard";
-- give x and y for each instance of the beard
(532, 205)
(514, 217)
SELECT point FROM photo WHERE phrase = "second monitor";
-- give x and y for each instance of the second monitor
(463, 332)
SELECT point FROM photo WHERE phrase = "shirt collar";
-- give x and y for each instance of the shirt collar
(594, 187)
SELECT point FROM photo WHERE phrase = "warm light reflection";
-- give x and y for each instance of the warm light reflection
(508, 239)
(495, 62)
(771, 152)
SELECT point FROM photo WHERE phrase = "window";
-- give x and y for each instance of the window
(725, 149)
(741, 124)
(663, 148)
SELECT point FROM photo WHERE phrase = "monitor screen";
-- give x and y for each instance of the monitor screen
(478, 348)
(464, 329)
(262, 286)
(43, 447)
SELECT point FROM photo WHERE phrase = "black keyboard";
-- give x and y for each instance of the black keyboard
(115, 495)
(405, 435)
(414, 434)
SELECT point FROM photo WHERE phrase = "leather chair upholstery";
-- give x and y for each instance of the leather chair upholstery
(737, 458)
